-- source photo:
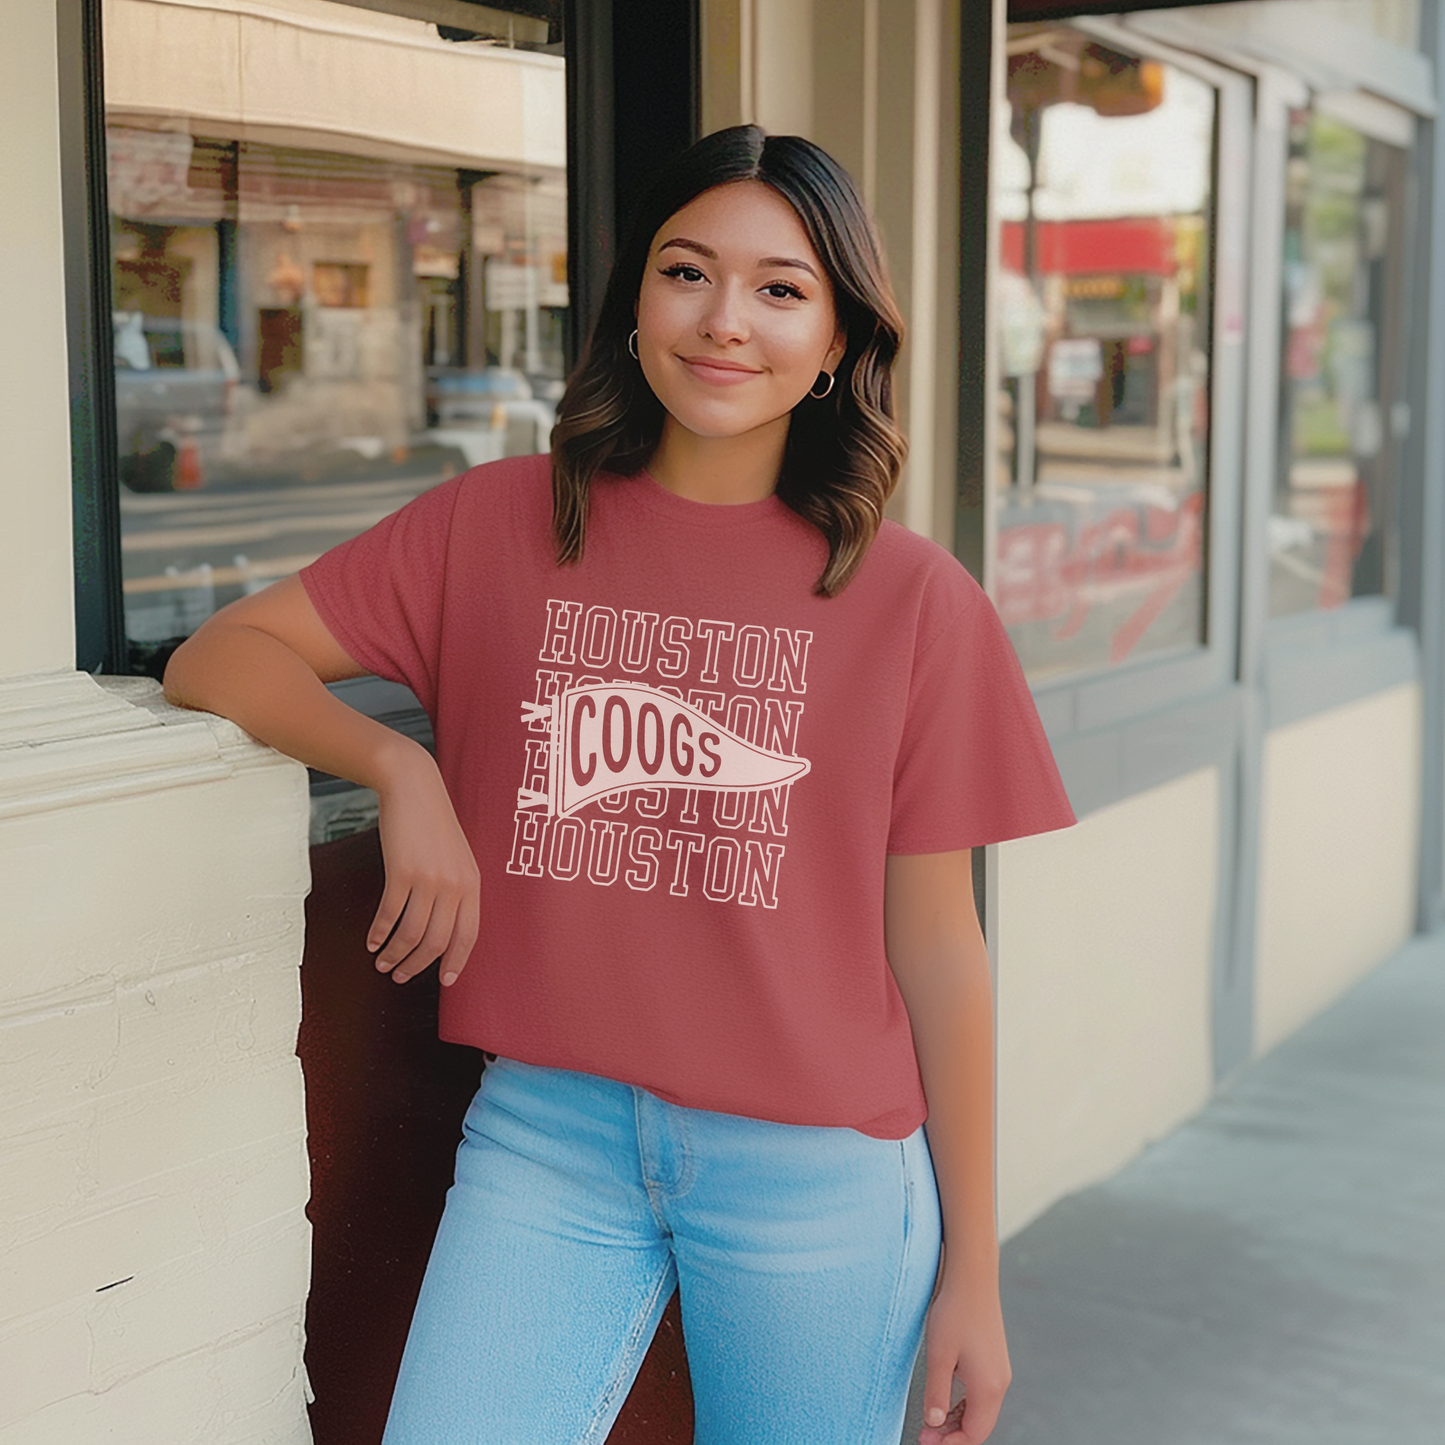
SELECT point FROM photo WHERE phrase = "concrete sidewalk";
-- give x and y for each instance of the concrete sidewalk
(1272, 1273)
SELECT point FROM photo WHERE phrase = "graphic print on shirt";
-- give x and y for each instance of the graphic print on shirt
(654, 783)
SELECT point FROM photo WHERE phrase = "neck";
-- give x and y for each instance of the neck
(722, 470)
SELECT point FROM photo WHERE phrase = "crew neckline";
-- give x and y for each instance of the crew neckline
(652, 493)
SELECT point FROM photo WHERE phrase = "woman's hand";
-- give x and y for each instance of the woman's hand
(430, 905)
(964, 1336)
(264, 661)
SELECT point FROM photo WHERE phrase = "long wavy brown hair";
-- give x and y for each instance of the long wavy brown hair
(844, 452)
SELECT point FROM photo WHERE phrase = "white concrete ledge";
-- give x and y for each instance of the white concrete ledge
(153, 1172)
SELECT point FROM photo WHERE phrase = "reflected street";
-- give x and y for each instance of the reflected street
(188, 553)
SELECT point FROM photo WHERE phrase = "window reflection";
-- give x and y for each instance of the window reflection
(1105, 197)
(327, 298)
(1331, 535)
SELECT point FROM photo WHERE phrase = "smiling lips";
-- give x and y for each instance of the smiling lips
(718, 372)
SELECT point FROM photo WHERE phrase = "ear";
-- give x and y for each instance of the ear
(836, 350)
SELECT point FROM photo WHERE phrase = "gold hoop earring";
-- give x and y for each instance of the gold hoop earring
(632, 343)
(819, 395)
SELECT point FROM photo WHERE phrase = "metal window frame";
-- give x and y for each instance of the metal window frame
(1118, 731)
(1281, 645)
(100, 644)
(1265, 642)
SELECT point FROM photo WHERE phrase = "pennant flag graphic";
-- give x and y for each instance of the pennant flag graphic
(616, 737)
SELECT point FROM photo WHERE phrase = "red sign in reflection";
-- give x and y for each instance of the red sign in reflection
(1048, 571)
(1128, 245)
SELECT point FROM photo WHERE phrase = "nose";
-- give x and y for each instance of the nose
(723, 319)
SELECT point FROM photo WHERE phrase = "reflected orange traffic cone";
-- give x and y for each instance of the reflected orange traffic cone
(190, 476)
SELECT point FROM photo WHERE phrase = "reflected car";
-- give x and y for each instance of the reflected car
(456, 394)
(175, 381)
(492, 397)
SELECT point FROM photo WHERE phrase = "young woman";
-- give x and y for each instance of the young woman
(713, 744)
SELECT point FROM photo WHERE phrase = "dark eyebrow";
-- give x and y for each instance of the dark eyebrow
(770, 261)
(687, 245)
(766, 263)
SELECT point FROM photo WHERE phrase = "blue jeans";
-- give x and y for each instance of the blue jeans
(805, 1259)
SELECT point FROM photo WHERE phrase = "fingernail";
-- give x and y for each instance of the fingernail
(448, 979)
(935, 1416)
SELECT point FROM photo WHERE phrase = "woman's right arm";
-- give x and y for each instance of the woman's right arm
(264, 662)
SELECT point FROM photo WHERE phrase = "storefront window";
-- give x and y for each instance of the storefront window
(339, 272)
(1331, 533)
(1106, 200)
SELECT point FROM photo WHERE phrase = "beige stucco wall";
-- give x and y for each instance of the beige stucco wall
(153, 1246)
(35, 598)
(1104, 942)
(1339, 839)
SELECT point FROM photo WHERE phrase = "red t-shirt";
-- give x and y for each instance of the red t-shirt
(681, 771)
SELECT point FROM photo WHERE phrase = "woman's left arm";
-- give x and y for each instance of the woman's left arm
(938, 956)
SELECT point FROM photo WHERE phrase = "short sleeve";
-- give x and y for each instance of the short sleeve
(381, 593)
(974, 765)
